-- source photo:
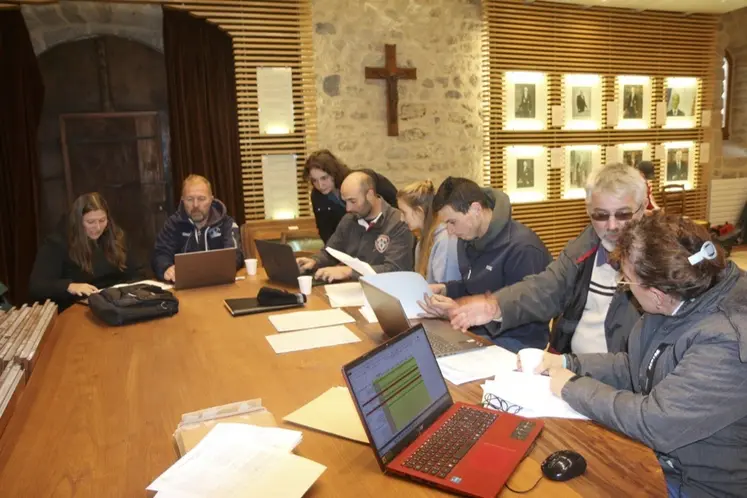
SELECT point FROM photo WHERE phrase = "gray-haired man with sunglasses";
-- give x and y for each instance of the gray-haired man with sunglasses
(579, 289)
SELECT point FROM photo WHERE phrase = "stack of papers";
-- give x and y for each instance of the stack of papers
(332, 412)
(476, 364)
(345, 294)
(302, 320)
(236, 460)
(530, 392)
(407, 286)
(356, 264)
(311, 339)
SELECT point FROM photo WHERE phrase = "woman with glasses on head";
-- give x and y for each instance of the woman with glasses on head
(88, 254)
(326, 174)
(681, 388)
(436, 251)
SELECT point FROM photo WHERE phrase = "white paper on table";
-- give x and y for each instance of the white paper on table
(408, 287)
(661, 113)
(273, 437)
(368, 314)
(229, 463)
(532, 393)
(311, 339)
(345, 294)
(146, 282)
(356, 264)
(309, 319)
(476, 364)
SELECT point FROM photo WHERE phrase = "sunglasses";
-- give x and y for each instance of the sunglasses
(619, 215)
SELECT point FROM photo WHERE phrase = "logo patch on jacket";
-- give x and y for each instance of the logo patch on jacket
(382, 243)
(214, 232)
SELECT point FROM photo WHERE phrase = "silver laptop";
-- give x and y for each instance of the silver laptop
(203, 268)
(393, 320)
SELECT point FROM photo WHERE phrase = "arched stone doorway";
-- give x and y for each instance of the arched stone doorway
(104, 128)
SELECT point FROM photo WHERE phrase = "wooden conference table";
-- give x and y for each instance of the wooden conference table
(97, 417)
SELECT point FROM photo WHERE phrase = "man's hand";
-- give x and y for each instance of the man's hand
(81, 289)
(305, 264)
(170, 274)
(436, 306)
(549, 362)
(559, 377)
(473, 311)
(438, 289)
(333, 273)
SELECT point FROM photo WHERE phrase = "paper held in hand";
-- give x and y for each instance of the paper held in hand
(356, 264)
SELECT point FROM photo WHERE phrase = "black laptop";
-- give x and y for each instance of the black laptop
(279, 262)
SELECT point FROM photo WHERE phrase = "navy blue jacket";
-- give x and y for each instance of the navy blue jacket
(508, 252)
(179, 235)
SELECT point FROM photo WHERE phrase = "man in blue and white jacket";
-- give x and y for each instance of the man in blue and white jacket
(199, 224)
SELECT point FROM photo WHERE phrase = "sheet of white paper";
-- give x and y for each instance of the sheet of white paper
(368, 314)
(556, 157)
(612, 114)
(532, 393)
(476, 364)
(407, 286)
(272, 437)
(162, 285)
(661, 113)
(229, 463)
(345, 294)
(309, 319)
(705, 152)
(356, 264)
(311, 339)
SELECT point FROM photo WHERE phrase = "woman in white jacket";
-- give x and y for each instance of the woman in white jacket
(436, 251)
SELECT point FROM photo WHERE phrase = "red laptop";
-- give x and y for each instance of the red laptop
(417, 431)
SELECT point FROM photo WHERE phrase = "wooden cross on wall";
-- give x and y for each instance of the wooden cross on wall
(391, 73)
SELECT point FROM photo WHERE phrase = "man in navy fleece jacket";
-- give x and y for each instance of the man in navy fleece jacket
(494, 251)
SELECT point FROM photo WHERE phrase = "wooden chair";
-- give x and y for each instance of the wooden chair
(285, 231)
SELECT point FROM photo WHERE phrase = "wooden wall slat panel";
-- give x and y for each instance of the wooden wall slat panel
(559, 39)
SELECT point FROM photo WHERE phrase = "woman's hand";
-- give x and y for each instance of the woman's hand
(549, 361)
(81, 289)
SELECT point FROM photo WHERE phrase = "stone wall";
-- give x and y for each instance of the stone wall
(440, 124)
(729, 158)
(52, 24)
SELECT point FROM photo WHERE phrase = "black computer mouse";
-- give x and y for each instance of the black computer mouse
(563, 465)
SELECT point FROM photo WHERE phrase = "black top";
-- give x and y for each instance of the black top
(328, 213)
(54, 270)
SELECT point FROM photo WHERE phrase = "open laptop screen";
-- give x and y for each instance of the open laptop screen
(399, 390)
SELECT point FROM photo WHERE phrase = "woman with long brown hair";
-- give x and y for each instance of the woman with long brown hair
(326, 173)
(88, 254)
(680, 387)
(436, 251)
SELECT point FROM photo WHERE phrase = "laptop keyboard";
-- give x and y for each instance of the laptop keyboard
(441, 347)
(447, 446)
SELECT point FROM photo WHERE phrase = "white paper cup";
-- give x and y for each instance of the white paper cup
(304, 283)
(530, 358)
(251, 266)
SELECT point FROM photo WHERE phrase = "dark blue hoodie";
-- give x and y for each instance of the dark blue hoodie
(508, 252)
(179, 235)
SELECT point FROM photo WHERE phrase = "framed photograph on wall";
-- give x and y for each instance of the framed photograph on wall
(583, 101)
(526, 101)
(580, 161)
(678, 164)
(681, 98)
(634, 102)
(632, 154)
(525, 173)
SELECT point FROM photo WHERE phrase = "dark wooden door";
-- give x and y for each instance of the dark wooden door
(120, 156)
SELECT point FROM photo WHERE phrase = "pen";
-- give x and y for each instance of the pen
(240, 278)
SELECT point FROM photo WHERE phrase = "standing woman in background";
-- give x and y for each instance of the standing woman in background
(326, 173)
(436, 251)
(88, 254)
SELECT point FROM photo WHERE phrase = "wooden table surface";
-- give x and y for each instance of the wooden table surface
(97, 416)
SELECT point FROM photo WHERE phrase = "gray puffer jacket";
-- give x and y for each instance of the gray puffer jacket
(681, 389)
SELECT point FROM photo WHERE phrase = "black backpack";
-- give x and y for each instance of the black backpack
(132, 303)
